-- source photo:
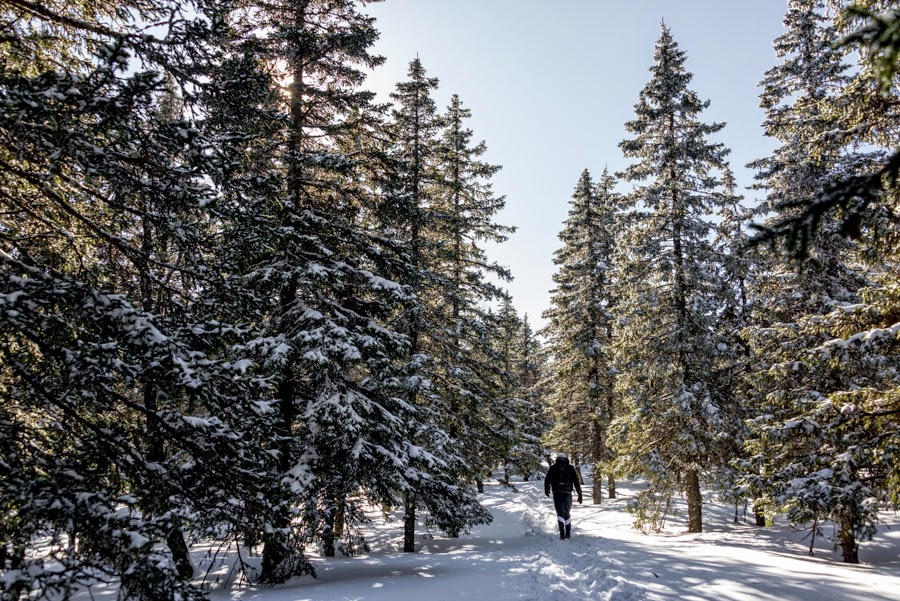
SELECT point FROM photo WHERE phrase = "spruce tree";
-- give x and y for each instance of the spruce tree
(124, 417)
(533, 422)
(532, 379)
(316, 281)
(814, 453)
(674, 428)
(855, 114)
(579, 332)
(422, 211)
(738, 270)
(472, 372)
(516, 414)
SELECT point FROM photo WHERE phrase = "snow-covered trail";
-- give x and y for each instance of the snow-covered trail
(519, 556)
(728, 562)
(578, 566)
(489, 563)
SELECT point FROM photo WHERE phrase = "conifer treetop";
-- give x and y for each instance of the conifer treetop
(669, 138)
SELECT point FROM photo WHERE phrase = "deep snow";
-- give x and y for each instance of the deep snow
(520, 557)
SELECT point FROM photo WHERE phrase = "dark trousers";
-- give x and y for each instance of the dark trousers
(563, 503)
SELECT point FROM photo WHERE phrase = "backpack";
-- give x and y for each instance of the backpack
(564, 479)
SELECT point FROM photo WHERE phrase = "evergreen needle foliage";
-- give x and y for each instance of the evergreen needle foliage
(678, 422)
(237, 301)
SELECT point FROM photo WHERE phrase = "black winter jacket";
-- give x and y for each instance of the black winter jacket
(553, 477)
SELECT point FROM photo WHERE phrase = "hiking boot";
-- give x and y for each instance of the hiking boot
(562, 535)
(568, 531)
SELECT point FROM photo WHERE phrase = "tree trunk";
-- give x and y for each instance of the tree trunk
(328, 541)
(815, 531)
(5, 541)
(479, 484)
(849, 546)
(695, 501)
(156, 453)
(760, 516)
(274, 555)
(158, 503)
(72, 549)
(578, 470)
(596, 458)
(611, 485)
(597, 486)
(328, 530)
(340, 520)
(17, 559)
(275, 548)
(16, 562)
(409, 524)
(180, 553)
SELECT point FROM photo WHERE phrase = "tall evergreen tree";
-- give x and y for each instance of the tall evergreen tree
(579, 332)
(667, 292)
(310, 271)
(517, 413)
(416, 193)
(123, 420)
(738, 269)
(533, 422)
(471, 372)
(857, 112)
(808, 456)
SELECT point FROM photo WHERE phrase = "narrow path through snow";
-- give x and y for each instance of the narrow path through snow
(519, 556)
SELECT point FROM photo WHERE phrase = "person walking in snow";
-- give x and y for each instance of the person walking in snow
(561, 477)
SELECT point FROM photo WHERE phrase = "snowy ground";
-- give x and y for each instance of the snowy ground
(520, 557)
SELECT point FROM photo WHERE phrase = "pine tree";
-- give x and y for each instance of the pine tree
(738, 270)
(516, 410)
(427, 208)
(579, 332)
(794, 96)
(123, 417)
(857, 113)
(667, 293)
(810, 456)
(528, 454)
(471, 371)
(316, 280)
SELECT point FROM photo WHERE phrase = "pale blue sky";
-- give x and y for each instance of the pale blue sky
(551, 83)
